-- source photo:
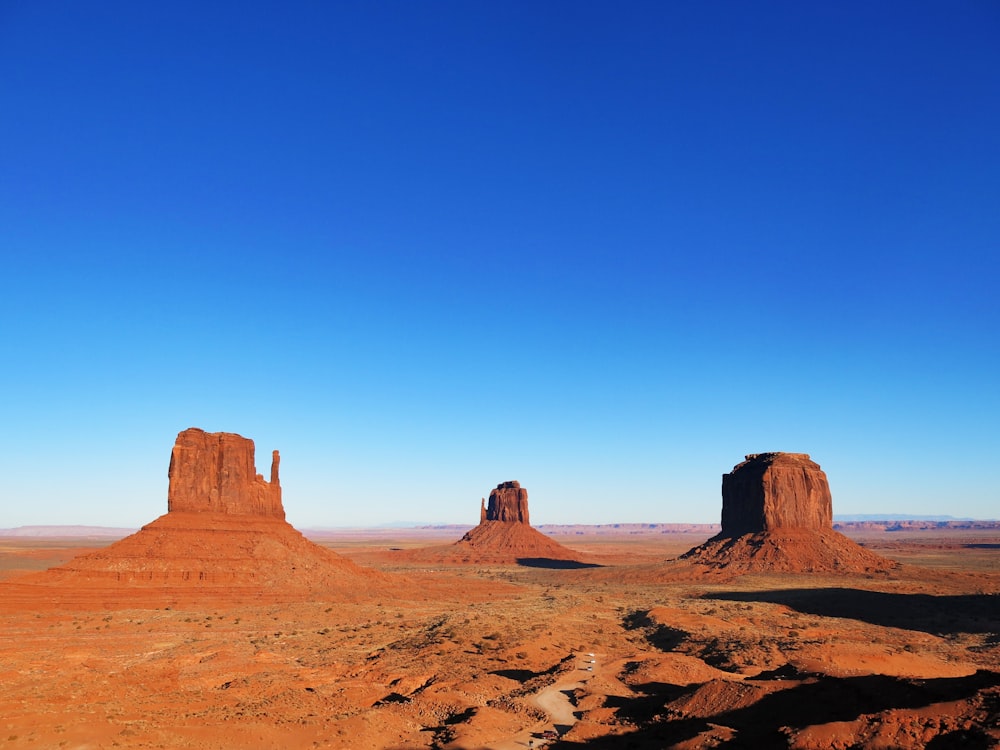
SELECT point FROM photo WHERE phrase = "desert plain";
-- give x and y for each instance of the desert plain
(620, 651)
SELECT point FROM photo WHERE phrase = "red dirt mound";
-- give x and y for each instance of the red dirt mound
(212, 549)
(500, 541)
(777, 517)
(791, 550)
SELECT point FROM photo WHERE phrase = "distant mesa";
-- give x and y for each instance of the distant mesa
(777, 515)
(224, 529)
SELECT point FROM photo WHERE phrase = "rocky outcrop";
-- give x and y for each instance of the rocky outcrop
(504, 534)
(214, 472)
(224, 534)
(771, 491)
(777, 517)
(508, 502)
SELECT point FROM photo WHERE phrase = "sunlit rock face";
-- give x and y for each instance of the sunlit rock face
(224, 534)
(214, 472)
(770, 491)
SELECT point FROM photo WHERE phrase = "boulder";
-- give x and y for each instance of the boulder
(214, 472)
(771, 491)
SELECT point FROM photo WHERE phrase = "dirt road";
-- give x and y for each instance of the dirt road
(554, 701)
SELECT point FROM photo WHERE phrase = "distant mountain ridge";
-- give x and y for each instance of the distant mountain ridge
(876, 517)
(102, 532)
(856, 521)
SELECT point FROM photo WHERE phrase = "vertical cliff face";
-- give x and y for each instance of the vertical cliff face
(771, 491)
(214, 472)
(777, 517)
(508, 502)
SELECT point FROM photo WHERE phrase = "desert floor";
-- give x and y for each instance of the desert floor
(450, 656)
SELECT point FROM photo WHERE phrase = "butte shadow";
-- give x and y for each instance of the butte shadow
(224, 534)
(928, 613)
(788, 711)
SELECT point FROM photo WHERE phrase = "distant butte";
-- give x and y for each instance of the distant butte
(224, 529)
(777, 515)
(508, 502)
(505, 536)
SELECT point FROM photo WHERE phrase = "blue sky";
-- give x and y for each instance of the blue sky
(421, 248)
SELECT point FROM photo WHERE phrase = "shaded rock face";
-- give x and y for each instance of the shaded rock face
(508, 502)
(214, 472)
(777, 517)
(770, 491)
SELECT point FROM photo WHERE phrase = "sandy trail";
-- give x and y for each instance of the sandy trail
(553, 700)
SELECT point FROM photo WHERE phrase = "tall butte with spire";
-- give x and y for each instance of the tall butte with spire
(214, 472)
(777, 515)
(505, 535)
(224, 530)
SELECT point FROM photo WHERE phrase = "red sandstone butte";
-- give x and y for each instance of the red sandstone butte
(224, 533)
(508, 502)
(773, 491)
(777, 516)
(214, 472)
(504, 535)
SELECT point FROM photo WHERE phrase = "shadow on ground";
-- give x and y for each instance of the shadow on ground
(816, 700)
(552, 564)
(938, 615)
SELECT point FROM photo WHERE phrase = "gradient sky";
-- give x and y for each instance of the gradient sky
(421, 248)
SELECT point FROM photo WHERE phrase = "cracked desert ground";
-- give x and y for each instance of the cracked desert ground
(624, 655)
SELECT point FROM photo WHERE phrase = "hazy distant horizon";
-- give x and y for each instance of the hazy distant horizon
(603, 249)
(83, 530)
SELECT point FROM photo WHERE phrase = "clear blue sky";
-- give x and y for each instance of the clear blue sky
(421, 248)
